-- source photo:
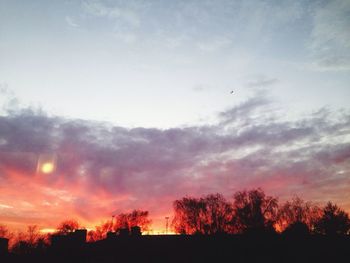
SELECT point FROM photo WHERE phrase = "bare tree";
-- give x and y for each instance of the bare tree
(67, 226)
(100, 231)
(139, 218)
(253, 210)
(26, 242)
(189, 216)
(32, 235)
(298, 212)
(5, 232)
(210, 214)
(135, 218)
(218, 214)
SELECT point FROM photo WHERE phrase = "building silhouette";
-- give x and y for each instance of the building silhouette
(3, 245)
(73, 240)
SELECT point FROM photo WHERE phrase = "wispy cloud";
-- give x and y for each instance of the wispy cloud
(71, 22)
(215, 44)
(5, 206)
(330, 37)
(123, 13)
(8, 98)
(208, 26)
(261, 82)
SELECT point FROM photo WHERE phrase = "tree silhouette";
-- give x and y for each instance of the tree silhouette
(297, 229)
(334, 221)
(67, 226)
(5, 232)
(32, 235)
(211, 214)
(100, 231)
(295, 212)
(25, 243)
(254, 211)
(218, 214)
(188, 215)
(132, 219)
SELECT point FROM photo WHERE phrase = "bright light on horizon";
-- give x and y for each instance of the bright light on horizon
(47, 168)
(47, 230)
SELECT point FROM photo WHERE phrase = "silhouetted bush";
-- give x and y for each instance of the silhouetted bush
(334, 221)
(297, 229)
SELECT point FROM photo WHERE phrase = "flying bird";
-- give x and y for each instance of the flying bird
(231, 92)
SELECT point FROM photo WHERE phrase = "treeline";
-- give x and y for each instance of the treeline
(255, 212)
(121, 223)
(32, 239)
(249, 212)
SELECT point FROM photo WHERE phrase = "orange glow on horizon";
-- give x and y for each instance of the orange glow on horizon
(47, 230)
(156, 232)
(152, 232)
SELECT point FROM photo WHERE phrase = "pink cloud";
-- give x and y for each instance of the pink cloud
(102, 169)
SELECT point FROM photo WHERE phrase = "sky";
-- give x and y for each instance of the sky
(131, 103)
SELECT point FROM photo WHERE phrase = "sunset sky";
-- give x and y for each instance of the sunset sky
(129, 105)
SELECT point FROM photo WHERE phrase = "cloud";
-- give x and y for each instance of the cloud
(71, 22)
(3, 206)
(261, 82)
(215, 44)
(122, 13)
(330, 37)
(101, 168)
(330, 62)
(8, 98)
(4, 88)
(203, 25)
(247, 110)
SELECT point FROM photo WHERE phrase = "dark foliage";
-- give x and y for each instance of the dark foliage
(297, 229)
(334, 221)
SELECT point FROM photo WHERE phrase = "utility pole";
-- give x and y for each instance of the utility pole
(166, 224)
